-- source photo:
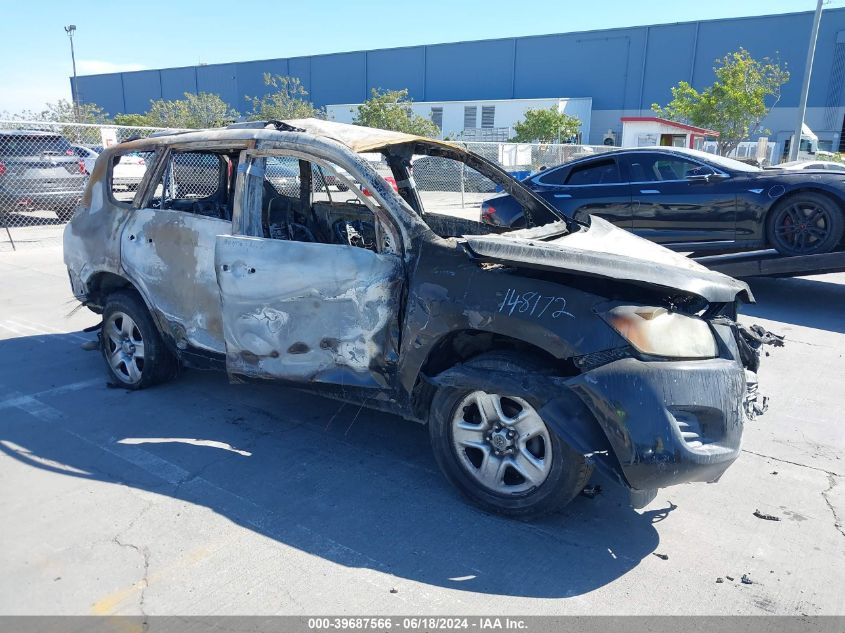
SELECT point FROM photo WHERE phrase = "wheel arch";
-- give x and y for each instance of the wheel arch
(102, 283)
(833, 196)
(776, 204)
(462, 345)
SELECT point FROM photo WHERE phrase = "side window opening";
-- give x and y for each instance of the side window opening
(127, 171)
(307, 201)
(455, 196)
(197, 182)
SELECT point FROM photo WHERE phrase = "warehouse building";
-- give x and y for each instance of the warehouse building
(484, 120)
(621, 71)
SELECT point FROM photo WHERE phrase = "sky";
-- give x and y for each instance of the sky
(116, 36)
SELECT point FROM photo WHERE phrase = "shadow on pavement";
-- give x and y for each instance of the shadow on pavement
(806, 302)
(355, 487)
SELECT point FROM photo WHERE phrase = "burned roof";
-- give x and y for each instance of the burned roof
(356, 137)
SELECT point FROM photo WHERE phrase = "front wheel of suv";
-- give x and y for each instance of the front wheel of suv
(135, 354)
(498, 451)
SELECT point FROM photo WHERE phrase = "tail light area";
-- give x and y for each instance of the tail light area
(2, 168)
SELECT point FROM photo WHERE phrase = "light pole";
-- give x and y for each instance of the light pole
(70, 29)
(795, 144)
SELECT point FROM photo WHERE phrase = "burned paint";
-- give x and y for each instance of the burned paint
(280, 295)
(391, 325)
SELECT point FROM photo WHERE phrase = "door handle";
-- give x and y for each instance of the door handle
(649, 191)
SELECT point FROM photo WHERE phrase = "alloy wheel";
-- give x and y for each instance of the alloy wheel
(124, 347)
(502, 442)
(803, 226)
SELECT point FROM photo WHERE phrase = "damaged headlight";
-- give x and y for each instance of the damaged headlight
(658, 332)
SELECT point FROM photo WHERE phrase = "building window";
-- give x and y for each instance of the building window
(437, 117)
(470, 116)
(842, 137)
(488, 115)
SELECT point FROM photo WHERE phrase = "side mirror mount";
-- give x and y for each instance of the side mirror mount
(699, 178)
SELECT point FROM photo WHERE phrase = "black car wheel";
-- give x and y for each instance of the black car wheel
(135, 354)
(497, 450)
(806, 224)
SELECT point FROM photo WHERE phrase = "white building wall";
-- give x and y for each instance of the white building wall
(508, 112)
(634, 132)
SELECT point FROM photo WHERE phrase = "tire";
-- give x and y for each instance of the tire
(550, 487)
(805, 224)
(127, 325)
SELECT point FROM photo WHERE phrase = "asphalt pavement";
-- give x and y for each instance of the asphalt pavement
(202, 497)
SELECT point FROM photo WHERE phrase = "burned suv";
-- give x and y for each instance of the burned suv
(533, 355)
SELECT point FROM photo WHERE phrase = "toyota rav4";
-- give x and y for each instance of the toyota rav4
(533, 355)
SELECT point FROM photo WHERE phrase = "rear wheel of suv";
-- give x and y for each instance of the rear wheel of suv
(135, 354)
(498, 451)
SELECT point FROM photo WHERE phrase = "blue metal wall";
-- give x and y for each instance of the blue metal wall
(621, 69)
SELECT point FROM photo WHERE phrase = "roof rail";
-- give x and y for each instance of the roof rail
(281, 126)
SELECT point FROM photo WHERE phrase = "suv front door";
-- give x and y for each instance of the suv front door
(300, 305)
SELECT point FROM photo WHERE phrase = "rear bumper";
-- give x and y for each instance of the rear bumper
(668, 422)
(18, 199)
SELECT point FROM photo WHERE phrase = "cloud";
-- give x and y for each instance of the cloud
(99, 67)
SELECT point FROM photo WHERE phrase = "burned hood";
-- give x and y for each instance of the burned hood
(604, 250)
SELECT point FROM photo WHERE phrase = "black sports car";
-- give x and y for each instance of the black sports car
(691, 200)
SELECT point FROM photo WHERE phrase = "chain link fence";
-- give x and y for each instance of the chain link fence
(44, 168)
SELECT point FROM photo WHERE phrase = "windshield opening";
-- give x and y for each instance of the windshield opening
(452, 190)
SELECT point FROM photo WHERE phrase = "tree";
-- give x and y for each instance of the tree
(742, 95)
(64, 116)
(201, 110)
(391, 110)
(62, 111)
(286, 102)
(546, 126)
(132, 120)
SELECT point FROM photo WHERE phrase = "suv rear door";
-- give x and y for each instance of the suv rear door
(167, 245)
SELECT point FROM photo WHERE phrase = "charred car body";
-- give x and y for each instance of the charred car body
(533, 355)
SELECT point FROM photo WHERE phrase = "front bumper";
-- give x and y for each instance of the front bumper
(668, 422)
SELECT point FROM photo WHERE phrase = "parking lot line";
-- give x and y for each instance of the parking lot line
(46, 329)
(248, 511)
(18, 333)
(16, 400)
